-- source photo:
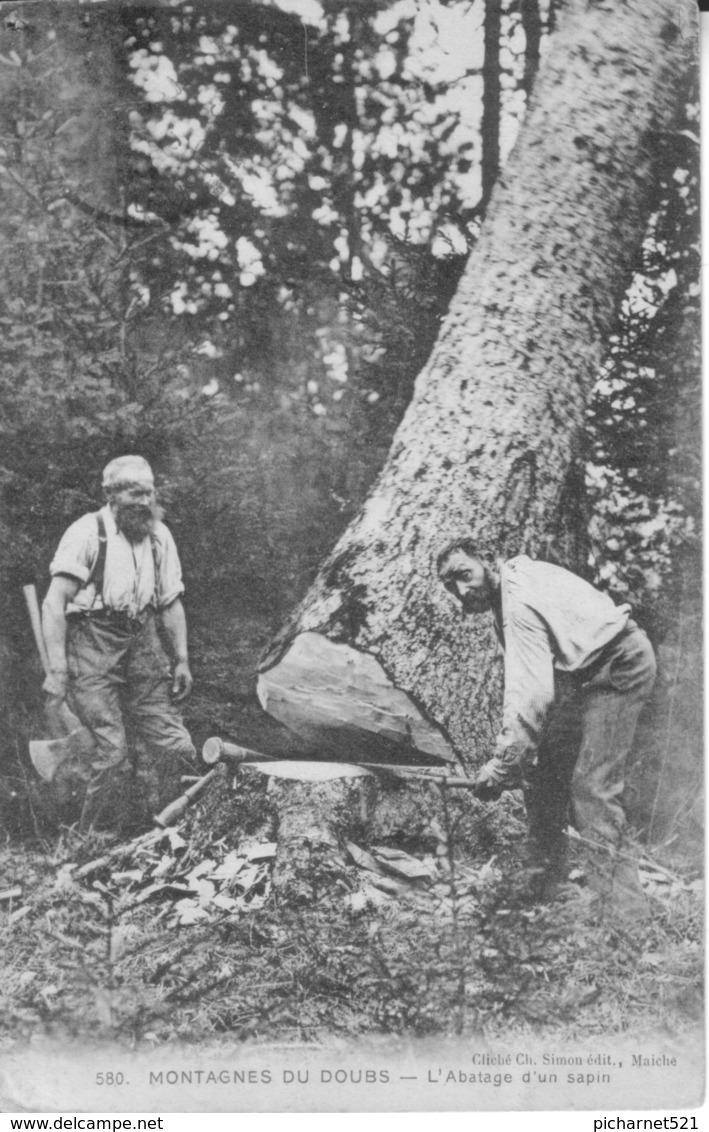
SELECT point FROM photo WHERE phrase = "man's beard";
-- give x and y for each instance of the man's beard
(476, 603)
(137, 520)
(479, 601)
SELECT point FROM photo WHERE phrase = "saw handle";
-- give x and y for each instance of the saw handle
(36, 621)
(216, 750)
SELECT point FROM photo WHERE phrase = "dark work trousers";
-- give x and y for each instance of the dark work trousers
(582, 757)
(119, 686)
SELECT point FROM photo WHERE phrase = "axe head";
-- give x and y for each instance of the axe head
(47, 755)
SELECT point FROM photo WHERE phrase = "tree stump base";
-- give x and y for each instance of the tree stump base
(313, 821)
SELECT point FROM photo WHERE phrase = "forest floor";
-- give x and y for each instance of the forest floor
(181, 936)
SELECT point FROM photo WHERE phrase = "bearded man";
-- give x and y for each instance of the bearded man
(578, 671)
(116, 590)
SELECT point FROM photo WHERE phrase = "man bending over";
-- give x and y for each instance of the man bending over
(562, 640)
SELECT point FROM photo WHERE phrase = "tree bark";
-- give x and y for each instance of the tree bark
(492, 444)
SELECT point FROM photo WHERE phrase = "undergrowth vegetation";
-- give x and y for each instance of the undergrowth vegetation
(182, 935)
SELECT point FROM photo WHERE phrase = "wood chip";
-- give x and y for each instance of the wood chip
(389, 885)
(363, 859)
(154, 889)
(403, 864)
(263, 852)
(232, 864)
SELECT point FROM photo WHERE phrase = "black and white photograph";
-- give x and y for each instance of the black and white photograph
(351, 753)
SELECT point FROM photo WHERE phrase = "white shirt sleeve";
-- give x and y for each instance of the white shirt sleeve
(529, 685)
(77, 550)
(169, 581)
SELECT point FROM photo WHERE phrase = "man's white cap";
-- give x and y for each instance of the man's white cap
(125, 469)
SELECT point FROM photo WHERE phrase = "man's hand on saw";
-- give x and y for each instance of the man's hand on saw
(491, 780)
(181, 681)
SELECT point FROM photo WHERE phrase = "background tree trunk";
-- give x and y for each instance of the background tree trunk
(532, 24)
(490, 125)
(491, 445)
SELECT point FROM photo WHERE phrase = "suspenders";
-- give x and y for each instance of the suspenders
(98, 569)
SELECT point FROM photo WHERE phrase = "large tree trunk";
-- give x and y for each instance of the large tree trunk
(491, 445)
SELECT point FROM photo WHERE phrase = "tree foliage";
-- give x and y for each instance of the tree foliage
(84, 373)
(644, 474)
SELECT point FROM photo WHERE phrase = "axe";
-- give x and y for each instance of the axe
(69, 738)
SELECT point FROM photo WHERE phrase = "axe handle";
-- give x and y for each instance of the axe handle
(446, 780)
(36, 620)
(176, 809)
(218, 750)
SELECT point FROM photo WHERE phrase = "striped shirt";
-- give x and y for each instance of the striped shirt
(551, 619)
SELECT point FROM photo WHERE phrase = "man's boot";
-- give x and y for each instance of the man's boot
(628, 903)
(543, 866)
(612, 874)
